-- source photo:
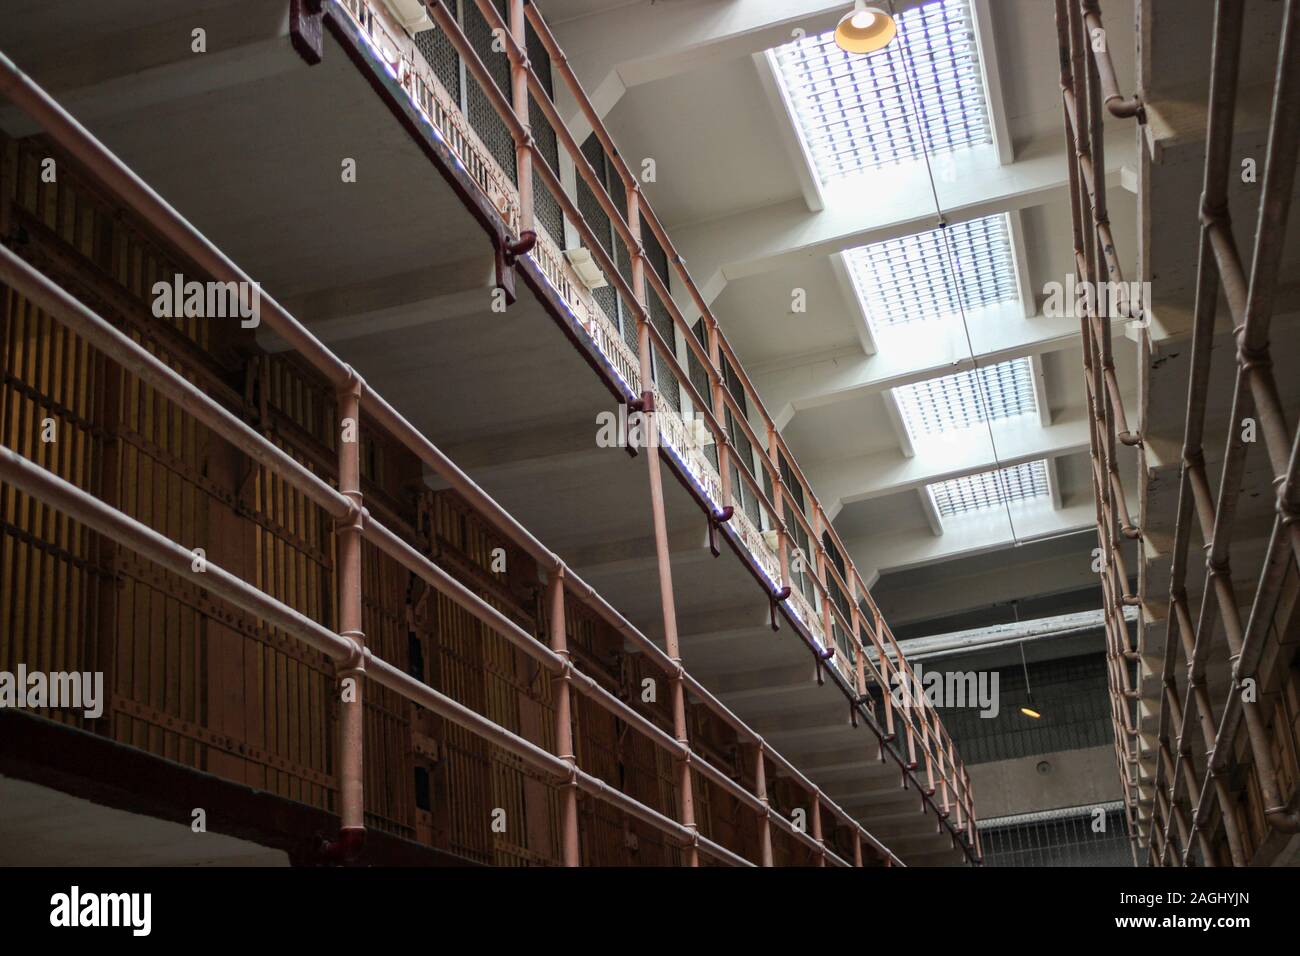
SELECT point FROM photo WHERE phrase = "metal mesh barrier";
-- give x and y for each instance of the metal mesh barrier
(1069, 693)
(1079, 836)
(441, 55)
(482, 117)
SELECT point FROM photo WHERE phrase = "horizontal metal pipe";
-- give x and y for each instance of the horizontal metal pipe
(397, 549)
(17, 471)
(392, 421)
(119, 180)
(84, 507)
(138, 361)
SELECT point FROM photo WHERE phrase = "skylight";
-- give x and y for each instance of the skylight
(910, 279)
(990, 489)
(858, 112)
(968, 398)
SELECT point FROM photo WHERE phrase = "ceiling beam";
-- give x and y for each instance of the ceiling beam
(899, 203)
(634, 44)
(99, 71)
(864, 477)
(1060, 567)
(842, 375)
(971, 534)
(1000, 635)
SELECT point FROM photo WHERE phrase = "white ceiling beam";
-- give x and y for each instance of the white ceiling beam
(789, 130)
(968, 452)
(1020, 260)
(1040, 390)
(1000, 635)
(614, 50)
(953, 588)
(809, 382)
(930, 511)
(630, 45)
(100, 72)
(899, 203)
(858, 315)
(971, 534)
(1054, 484)
(990, 68)
(898, 425)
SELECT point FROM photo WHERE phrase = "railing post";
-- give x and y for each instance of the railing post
(778, 503)
(719, 409)
(663, 556)
(888, 668)
(764, 821)
(817, 828)
(348, 544)
(519, 67)
(563, 684)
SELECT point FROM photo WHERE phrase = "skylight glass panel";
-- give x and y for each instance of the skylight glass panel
(858, 112)
(912, 278)
(968, 398)
(990, 489)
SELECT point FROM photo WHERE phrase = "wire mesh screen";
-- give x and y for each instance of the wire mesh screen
(1070, 693)
(664, 376)
(490, 127)
(654, 253)
(549, 213)
(439, 53)
(546, 206)
(1081, 836)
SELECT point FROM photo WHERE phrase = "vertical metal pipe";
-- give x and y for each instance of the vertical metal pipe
(563, 684)
(817, 829)
(519, 100)
(719, 409)
(686, 802)
(760, 791)
(348, 545)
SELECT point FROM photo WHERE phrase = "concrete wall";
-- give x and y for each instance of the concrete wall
(1069, 778)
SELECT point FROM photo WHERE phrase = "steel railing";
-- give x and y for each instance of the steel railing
(914, 728)
(1181, 799)
(1095, 261)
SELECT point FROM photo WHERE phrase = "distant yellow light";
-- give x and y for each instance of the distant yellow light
(1030, 712)
(865, 30)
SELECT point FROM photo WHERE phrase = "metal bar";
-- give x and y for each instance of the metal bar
(663, 558)
(524, 143)
(1118, 105)
(564, 718)
(1251, 301)
(764, 821)
(348, 545)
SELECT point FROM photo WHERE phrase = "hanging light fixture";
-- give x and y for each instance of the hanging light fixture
(1028, 710)
(865, 29)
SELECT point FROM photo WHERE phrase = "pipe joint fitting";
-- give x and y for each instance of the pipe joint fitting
(359, 655)
(357, 515)
(1250, 359)
(353, 384)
